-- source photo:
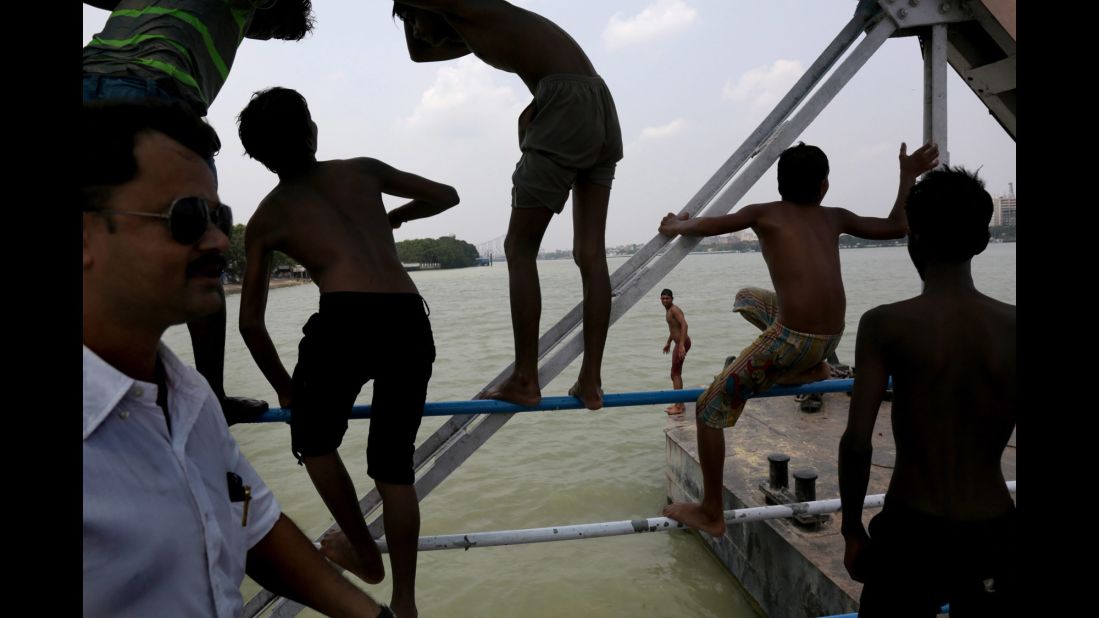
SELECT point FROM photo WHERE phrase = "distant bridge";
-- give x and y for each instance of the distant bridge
(492, 250)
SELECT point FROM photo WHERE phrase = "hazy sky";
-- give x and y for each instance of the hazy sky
(691, 79)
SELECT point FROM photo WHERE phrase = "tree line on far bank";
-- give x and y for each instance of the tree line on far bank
(447, 252)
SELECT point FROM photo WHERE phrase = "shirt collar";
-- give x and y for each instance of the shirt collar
(105, 387)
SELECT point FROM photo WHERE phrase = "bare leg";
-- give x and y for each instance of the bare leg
(401, 514)
(353, 548)
(677, 384)
(525, 232)
(708, 516)
(208, 343)
(589, 225)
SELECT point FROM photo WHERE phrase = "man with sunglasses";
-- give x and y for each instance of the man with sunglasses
(371, 325)
(173, 514)
(182, 50)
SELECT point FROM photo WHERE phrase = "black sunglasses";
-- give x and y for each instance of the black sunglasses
(188, 217)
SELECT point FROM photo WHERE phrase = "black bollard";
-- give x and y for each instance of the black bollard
(805, 484)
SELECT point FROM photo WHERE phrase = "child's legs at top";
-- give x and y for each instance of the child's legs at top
(524, 237)
(570, 141)
(540, 188)
(589, 223)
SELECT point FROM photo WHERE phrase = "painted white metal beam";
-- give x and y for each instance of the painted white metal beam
(916, 13)
(934, 91)
(526, 536)
(992, 78)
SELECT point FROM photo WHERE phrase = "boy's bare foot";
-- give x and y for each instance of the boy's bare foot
(675, 409)
(592, 398)
(816, 373)
(336, 547)
(693, 515)
(516, 391)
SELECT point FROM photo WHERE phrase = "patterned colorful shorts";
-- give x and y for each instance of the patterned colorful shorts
(778, 352)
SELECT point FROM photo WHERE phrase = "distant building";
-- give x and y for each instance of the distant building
(723, 239)
(1003, 211)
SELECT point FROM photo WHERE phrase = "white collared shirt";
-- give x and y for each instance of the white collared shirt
(161, 537)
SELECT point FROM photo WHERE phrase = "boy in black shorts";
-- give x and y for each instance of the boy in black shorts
(372, 324)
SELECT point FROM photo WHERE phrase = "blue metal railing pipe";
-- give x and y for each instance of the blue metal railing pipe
(945, 609)
(618, 400)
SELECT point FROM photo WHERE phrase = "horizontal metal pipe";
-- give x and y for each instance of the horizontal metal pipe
(642, 398)
(527, 536)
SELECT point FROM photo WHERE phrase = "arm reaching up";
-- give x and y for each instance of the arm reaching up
(923, 160)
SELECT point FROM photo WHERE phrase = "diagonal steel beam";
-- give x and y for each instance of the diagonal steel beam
(782, 139)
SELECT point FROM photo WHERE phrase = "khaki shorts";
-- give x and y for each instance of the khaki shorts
(573, 136)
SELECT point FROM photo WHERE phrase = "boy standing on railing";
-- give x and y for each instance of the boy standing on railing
(571, 142)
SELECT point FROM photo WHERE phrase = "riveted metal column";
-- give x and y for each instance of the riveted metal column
(934, 88)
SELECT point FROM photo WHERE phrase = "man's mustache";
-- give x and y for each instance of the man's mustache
(207, 264)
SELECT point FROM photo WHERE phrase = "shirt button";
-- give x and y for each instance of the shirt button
(125, 414)
(138, 391)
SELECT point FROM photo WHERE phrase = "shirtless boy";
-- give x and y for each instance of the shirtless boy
(570, 140)
(372, 324)
(803, 319)
(947, 532)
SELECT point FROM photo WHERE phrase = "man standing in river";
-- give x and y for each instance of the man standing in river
(677, 333)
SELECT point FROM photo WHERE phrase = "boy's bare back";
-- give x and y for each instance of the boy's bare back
(332, 220)
(800, 239)
(953, 362)
(800, 244)
(510, 38)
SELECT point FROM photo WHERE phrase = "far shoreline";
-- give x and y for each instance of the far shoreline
(234, 288)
